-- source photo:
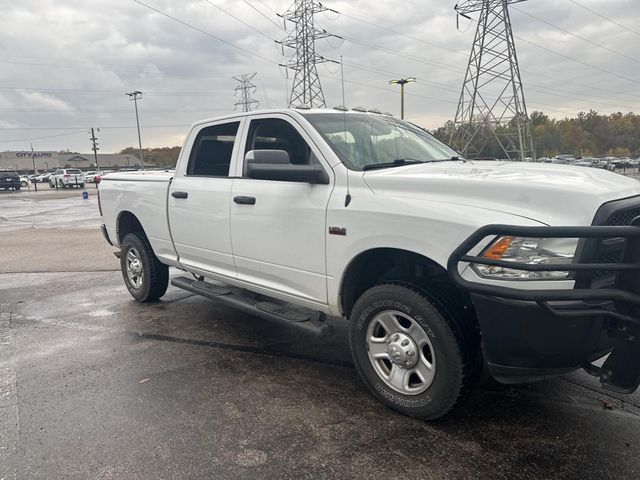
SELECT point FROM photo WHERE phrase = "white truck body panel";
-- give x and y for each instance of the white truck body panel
(281, 246)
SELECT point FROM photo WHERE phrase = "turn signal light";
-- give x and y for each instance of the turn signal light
(499, 248)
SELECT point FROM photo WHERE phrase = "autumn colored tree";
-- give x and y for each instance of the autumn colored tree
(588, 134)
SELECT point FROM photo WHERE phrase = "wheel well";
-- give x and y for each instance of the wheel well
(128, 223)
(390, 265)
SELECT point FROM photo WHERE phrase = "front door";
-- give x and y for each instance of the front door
(279, 241)
(199, 201)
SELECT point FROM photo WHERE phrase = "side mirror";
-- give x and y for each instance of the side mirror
(274, 165)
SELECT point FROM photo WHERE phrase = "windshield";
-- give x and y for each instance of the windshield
(366, 140)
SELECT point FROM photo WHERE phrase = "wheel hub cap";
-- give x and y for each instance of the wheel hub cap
(402, 350)
(134, 268)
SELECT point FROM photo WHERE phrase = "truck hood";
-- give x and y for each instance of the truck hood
(551, 194)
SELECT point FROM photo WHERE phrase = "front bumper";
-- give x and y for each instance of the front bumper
(531, 334)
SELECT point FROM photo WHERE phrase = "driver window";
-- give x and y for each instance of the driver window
(277, 134)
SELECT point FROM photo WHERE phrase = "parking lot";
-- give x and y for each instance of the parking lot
(96, 386)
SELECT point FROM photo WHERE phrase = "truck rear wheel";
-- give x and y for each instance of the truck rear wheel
(412, 356)
(144, 275)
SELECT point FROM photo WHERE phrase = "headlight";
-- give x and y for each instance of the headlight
(528, 250)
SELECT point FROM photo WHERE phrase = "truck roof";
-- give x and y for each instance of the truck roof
(297, 111)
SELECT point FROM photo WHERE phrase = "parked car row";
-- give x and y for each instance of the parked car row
(67, 176)
(606, 163)
(60, 177)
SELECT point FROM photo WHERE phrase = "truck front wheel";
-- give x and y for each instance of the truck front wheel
(410, 354)
(144, 275)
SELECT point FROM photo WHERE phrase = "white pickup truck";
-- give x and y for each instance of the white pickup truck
(443, 266)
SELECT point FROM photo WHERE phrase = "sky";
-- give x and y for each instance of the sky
(66, 65)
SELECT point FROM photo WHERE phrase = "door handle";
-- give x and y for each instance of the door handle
(179, 194)
(245, 200)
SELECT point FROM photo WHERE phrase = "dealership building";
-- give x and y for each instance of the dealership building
(23, 161)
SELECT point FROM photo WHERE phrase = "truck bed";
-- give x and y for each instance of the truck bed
(144, 195)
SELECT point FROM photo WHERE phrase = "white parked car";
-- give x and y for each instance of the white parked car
(90, 177)
(67, 178)
(443, 267)
(24, 181)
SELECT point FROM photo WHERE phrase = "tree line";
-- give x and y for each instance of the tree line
(590, 134)
(161, 157)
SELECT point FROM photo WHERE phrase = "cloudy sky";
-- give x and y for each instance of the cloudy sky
(66, 64)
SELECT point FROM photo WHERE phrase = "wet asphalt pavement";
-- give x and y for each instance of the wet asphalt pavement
(95, 386)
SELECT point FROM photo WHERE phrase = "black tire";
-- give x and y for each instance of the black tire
(455, 346)
(155, 275)
(17, 189)
(82, 185)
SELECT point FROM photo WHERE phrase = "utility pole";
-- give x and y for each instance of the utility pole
(306, 88)
(492, 107)
(33, 159)
(402, 82)
(95, 147)
(134, 96)
(246, 88)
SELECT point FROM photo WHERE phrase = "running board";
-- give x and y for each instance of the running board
(249, 302)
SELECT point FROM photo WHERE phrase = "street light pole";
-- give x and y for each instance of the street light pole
(402, 82)
(135, 95)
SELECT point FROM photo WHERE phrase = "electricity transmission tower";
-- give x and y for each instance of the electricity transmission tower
(492, 112)
(306, 88)
(246, 88)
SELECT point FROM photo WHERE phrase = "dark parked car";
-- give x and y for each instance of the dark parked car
(9, 180)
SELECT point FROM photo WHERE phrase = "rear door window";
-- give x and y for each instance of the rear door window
(212, 151)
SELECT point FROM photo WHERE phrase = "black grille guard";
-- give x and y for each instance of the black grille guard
(621, 370)
(542, 297)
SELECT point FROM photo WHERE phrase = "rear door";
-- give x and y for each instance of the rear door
(279, 240)
(199, 199)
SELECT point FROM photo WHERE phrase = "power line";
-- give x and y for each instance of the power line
(402, 54)
(586, 64)
(548, 107)
(266, 5)
(537, 74)
(396, 32)
(605, 18)
(596, 44)
(59, 91)
(110, 127)
(43, 137)
(567, 57)
(204, 32)
(239, 20)
(257, 10)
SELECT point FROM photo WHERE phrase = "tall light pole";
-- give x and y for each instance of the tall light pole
(402, 82)
(134, 96)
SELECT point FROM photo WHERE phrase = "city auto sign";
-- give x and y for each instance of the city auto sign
(33, 154)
